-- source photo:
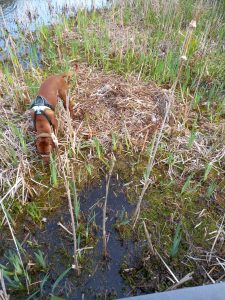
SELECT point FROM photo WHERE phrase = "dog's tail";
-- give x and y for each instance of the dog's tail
(69, 73)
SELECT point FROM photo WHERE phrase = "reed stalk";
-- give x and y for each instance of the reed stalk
(105, 253)
(3, 292)
(170, 96)
(72, 214)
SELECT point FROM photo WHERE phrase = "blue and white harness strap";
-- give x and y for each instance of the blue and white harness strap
(39, 105)
(39, 109)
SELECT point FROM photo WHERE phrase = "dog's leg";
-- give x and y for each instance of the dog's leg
(54, 123)
(62, 95)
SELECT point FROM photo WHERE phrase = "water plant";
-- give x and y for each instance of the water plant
(33, 210)
(53, 169)
(40, 259)
(176, 241)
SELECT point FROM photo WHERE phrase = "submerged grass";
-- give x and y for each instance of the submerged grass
(123, 52)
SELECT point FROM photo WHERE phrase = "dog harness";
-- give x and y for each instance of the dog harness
(39, 105)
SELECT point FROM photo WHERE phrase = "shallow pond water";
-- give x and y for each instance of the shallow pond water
(30, 13)
(99, 277)
(19, 17)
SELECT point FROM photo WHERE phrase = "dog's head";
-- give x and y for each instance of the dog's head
(45, 146)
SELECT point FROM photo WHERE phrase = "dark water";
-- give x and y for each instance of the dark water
(99, 278)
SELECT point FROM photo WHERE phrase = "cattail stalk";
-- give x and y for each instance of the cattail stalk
(170, 97)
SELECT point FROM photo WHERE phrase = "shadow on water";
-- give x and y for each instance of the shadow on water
(106, 276)
(99, 278)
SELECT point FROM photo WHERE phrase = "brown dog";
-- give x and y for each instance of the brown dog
(45, 122)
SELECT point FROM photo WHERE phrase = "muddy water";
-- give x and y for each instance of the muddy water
(99, 278)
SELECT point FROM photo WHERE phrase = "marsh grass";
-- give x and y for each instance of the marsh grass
(123, 52)
(54, 171)
(40, 259)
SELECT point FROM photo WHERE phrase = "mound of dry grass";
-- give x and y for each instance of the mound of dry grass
(108, 103)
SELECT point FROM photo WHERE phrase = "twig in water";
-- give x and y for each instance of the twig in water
(104, 209)
(155, 252)
(183, 280)
(212, 280)
(64, 227)
(76, 265)
(168, 268)
(148, 236)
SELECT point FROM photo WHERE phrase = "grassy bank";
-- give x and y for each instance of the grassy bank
(129, 58)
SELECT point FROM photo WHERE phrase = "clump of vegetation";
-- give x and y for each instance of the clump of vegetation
(149, 91)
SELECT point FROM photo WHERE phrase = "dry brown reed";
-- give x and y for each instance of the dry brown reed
(3, 292)
(67, 174)
(108, 177)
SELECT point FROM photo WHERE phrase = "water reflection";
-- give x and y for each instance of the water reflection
(7, 8)
(18, 16)
(30, 13)
(7, 3)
